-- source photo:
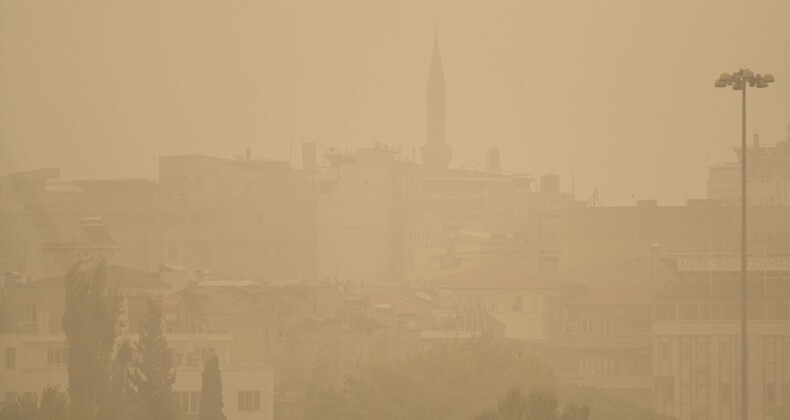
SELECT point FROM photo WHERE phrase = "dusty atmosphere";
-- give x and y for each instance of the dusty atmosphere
(299, 210)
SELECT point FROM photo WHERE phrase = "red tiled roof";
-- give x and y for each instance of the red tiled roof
(514, 274)
(625, 295)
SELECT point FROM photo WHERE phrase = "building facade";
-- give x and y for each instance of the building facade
(697, 343)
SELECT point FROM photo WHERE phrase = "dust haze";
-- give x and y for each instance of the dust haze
(394, 210)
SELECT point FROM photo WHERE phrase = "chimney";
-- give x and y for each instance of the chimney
(756, 139)
(308, 156)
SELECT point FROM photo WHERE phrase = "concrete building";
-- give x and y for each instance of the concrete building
(768, 176)
(240, 218)
(622, 246)
(35, 354)
(605, 342)
(526, 306)
(696, 336)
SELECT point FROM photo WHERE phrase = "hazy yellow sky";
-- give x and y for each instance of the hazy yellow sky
(618, 94)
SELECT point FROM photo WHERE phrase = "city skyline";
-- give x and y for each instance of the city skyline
(632, 79)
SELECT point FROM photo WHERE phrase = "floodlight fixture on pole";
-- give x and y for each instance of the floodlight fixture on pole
(740, 80)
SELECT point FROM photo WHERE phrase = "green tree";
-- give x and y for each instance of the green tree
(605, 405)
(24, 409)
(122, 394)
(541, 404)
(154, 375)
(90, 323)
(52, 405)
(514, 407)
(445, 382)
(573, 411)
(211, 391)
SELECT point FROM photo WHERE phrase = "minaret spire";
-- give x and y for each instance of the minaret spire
(436, 152)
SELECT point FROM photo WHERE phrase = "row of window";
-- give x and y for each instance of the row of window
(728, 392)
(777, 311)
(189, 402)
(56, 357)
(771, 349)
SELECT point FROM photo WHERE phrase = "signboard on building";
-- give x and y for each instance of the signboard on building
(733, 263)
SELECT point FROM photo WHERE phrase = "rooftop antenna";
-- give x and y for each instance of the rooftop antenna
(593, 201)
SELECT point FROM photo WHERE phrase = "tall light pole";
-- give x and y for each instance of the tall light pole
(740, 80)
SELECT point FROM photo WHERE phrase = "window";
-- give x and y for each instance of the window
(685, 351)
(725, 353)
(702, 349)
(249, 401)
(31, 314)
(666, 386)
(770, 394)
(56, 356)
(685, 392)
(688, 311)
(665, 311)
(665, 352)
(188, 403)
(591, 365)
(710, 311)
(778, 311)
(10, 358)
(517, 303)
(756, 310)
(770, 350)
(731, 311)
(585, 326)
(725, 393)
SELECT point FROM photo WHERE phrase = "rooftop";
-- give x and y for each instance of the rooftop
(513, 274)
(625, 295)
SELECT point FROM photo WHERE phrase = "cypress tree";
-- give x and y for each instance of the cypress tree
(154, 375)
(211, 391)
(122, 395)
(90, 323)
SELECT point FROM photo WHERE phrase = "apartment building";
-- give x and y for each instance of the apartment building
(697, 342)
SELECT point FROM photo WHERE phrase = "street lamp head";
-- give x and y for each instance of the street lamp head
(720, 83)
(768, 78)
(747, 74)
(725, 77)
(738, 85)
(761, 84)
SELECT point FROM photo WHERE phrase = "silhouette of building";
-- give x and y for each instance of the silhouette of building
(245, 218)
(767, 176)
